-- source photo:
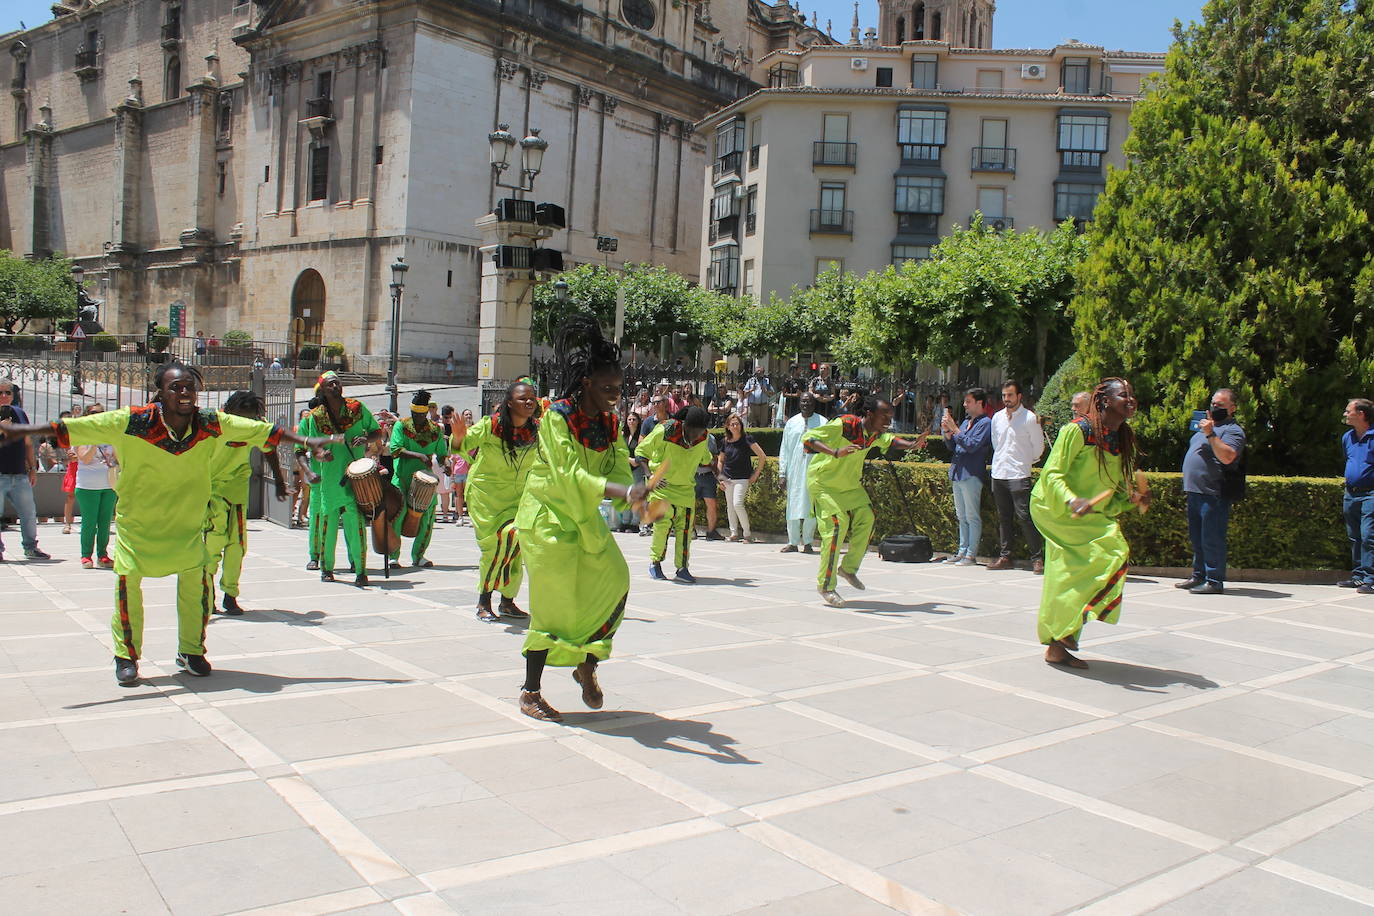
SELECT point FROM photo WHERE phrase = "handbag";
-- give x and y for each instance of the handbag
(112, 466)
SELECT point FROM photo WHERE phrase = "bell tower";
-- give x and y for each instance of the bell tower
(962, 23)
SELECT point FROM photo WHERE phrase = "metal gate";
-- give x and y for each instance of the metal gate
(278, 390)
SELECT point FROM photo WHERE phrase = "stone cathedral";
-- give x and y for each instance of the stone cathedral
(258, 164)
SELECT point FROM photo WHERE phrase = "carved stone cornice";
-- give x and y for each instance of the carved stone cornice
(506, 69)
(609, 103)
(536, 79)
(585, 94)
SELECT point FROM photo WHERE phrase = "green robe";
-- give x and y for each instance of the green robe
(496, 481)
(164, 484)
(354, 420)
(1085, 558)
(429, 441)
(836, 484)
(578, 577)
(668, 440)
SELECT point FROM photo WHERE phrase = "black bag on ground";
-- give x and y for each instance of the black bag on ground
(906, 548)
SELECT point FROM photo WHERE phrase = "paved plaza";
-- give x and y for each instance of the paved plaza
(361, 751)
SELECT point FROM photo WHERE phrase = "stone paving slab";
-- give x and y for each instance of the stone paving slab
(361, 751)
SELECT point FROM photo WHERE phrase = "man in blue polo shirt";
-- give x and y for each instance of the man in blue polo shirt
(1358, 444)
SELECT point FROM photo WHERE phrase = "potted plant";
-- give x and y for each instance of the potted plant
(105, 342)
(334, 352)
(310, 355)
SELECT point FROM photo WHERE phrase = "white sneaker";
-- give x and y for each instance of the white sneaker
(967, 561)
(831, 597)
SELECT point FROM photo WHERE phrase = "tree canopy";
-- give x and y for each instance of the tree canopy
(35, 291)
(1235, 249)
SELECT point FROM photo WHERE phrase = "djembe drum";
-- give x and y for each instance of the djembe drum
(422, 487)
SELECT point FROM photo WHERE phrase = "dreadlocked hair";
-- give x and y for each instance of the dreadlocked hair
(175, 365)
(421, 398)
(247, 401)
(507, 422)
(582, 351)
(1127, 445)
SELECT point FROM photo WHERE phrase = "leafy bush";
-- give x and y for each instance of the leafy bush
(1056, 400)
(1284, 523)
(161, 337)
(238, 339)
(334, 349)
(105, 343)
(21, 342)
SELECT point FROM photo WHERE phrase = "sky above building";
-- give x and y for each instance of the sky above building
(1139, 26)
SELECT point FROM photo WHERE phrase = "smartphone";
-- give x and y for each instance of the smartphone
(1198, 415)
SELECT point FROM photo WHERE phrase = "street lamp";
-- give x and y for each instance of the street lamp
(398, 285)
(78, 332)
(532, 148)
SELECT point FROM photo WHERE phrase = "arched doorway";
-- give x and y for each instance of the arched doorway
(307, 310)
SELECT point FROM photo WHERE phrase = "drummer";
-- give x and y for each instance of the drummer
(338, 414)
(415, 443)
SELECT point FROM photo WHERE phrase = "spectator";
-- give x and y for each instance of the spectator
(721, 407)
(661, 412)
(792, 462)
(823, 387)
(68, 483)
(758, 393)
(707, 485)
(200, 346)
(449, 366)
(938, 412)
(738, 472)
(276, 363)
(904, 407)
(927, 420)
(641, 406)
(1017, 443)
(970, 446)
(792, 388)
(629, 430)
(1079, 405)
(1214, 453)
(96, 495)
(688, 398)
(1358, 445)
(19, 473)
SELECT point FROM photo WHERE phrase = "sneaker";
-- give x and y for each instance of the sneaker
(967, 561)
(313, 565)
(714, 535)
(808, 549)
(1365, 589)
(790, 548)
(656, 571)
(685, 575)
(106, 563)
(193, 664)
(510, 609)
(534, 706)
(585, 675)
(831, 597)
(126, 671)
(1349, 583)
(852, 579)
(231, 607)
(646, 532)
(87, 563)
(36, 554)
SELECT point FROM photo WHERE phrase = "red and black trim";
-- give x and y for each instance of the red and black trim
(421, 437)
(59, 431)
(1091, 609)
(522, 436)
(1112, 445)
(852, 428)
(352, 411)
(609, 627)
(125, 625)
(595, 433)
(146, 423)
(675, 431)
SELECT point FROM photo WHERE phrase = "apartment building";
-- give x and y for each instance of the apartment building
(863, 155)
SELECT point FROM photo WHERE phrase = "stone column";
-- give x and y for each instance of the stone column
(128, 165)
(293, 105)
(197, 239)
(39, 161)
(503, 334)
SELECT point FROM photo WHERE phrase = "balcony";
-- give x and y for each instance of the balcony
(832, 222)
(1085, 160)
(171, 34)
(994, 223)
(828, 152)
(321, 107)
(993, 159)
(726, 165)
(18, 87)
(918, 223)
(87, 64)
(921, 153)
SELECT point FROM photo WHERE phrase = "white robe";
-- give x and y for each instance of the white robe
(792, 461)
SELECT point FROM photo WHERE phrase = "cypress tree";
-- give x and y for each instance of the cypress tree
(1234, 250)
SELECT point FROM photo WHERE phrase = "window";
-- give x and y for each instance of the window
(903, 253)
(918, 22)
(755, 141)
(937, 27)
(901, 30)
(266, 174)
(884, 78)
(825, 264)
(21, 74)
(92, 40)
(222, 175)
(1075, 75)
(725, 204)
(989, 79)
(832, 201)
(919, 194)
(925, 71)
(1074, 201)
(992, 202)
(324, 84)
(921, 133)
(171, 86)
(638, 13)
(1082, 140)
(21, 120)
(729, 147)
(751, 209)
(319, 173)
(780, 76)
(747, 288)
(449, 282)
(226, 121)
(992, 154)
(171, 29)
(725, 267)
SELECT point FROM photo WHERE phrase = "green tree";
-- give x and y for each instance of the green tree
(982, 298)
(1235, 248)
(814, 317)
(35, 291)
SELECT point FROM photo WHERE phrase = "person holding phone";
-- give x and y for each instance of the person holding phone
(1215, 450)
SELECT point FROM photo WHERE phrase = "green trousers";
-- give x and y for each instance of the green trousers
(316, 539)
(227, 538)
(195, 597)
(678, 521)
(97, 508)
(420, 543)
(355, 536)
(854, 524)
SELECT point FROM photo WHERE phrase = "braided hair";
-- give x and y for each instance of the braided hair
(247, 401)
(1127, 445)
(582, 351)
(507, 423)
(175, 365)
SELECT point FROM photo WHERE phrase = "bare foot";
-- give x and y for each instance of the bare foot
(1056, 654)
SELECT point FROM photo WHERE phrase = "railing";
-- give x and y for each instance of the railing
(831, 152)
(921, 152)
(1080, 159)
(85, 58)
(321, 107)
(993, 159)
(923, 223)
(171, 31)
(727, 165)
(18, 82)
(832, 222)
(995, 223)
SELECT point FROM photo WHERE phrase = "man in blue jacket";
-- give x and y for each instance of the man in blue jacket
(970, 446)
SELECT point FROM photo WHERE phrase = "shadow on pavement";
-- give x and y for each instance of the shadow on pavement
(1256, 593)
(278, 615)
(738, 583)
(224, 679)
(1140, 678)
(654, 731)
(891, 609)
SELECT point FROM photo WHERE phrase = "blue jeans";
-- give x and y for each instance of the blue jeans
(19, 491)
(968, 500)
(1359, 527)
(1207, 520)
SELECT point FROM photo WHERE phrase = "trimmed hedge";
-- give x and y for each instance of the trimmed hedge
(1284, 523)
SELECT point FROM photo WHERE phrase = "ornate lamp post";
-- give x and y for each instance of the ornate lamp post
(502, 143)
(398, 285)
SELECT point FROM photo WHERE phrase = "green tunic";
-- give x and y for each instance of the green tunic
(1085, 558)
(496, 481)
(578, 577)
(836, 484)
(164, 487)
(429, 441)
(354, 420)
(668, 440)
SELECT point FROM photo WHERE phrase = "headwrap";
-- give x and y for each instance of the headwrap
(324, 377)
(419, 408)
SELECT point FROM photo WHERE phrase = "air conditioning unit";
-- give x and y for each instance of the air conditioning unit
(858, 63)
(998, 225)
(1032, 71)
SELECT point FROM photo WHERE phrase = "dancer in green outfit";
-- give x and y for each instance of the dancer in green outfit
(352, 422)
(415, 443)
(504, 443)
(1085, 552)
(835, 479)
(308, 473)
(681, 443)
(226, 537)
(578, 577)
(165, 450)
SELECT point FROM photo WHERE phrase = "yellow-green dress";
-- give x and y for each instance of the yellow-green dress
(496, 481)
(838, 497)
(578, 577)
(1085, 558)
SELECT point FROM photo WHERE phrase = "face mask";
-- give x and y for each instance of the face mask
(1218, 414)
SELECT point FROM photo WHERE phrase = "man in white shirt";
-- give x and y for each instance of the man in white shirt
(1017, 443)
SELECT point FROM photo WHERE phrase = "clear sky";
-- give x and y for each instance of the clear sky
(1141, 25)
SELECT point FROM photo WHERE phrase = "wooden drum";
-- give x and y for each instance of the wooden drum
(422, 488)
(366, 480)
